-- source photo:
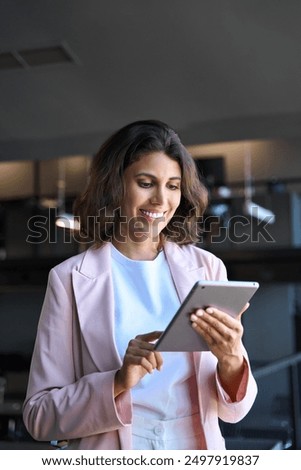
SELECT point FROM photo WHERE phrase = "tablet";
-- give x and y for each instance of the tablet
(228, 296)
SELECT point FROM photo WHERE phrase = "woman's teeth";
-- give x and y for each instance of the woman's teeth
(153, 215)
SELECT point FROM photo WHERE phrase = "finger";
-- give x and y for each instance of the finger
(226, 316)
(213, 313)
(211, 316)
(210, 328)
(159, 360)
(143, 344)
(144, 350)
(243, 310)
(213, 329)
(151, 336)
(139, 360)
(154, 358)
(224, 323)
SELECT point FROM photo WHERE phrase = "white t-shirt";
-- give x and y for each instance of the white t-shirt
(146, 300)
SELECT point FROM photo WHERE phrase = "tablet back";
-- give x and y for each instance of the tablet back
(228, 296)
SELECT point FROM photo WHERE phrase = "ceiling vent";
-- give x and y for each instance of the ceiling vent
(35, 57)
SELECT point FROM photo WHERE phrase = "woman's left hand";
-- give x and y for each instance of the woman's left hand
(223, 335)
(221, 332)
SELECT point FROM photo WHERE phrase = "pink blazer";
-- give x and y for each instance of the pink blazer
(70, 389)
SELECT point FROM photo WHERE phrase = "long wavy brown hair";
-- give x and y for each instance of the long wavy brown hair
(99, 205)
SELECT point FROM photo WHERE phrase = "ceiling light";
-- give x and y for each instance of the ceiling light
(252, 209)
(64, 219)
(67, 221)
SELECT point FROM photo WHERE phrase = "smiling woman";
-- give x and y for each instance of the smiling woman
(96, 379)
(100, 205)
(152, 187)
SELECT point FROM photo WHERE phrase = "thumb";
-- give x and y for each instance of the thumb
(243, 310)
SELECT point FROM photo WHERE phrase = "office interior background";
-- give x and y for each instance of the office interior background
(226, 76)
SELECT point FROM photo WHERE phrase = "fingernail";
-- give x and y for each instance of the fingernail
(193, 317)
(199, 313)
(209, 310)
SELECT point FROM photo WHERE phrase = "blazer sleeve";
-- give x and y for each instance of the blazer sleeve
(233, 412)
(57, 405)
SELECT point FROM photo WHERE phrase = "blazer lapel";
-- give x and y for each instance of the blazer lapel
(183, 271)
(94, 297)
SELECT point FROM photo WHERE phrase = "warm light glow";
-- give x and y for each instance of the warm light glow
(16, 179)
(67, 222)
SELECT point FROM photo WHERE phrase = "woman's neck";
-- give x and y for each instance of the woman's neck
(143, 251)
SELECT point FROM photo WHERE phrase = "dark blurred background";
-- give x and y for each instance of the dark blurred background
(226, 76)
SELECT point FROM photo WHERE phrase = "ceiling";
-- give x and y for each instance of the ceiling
(215, 70)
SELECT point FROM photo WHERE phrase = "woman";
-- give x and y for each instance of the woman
(95, 378)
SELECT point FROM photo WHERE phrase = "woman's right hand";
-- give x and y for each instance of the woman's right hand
(140, 359)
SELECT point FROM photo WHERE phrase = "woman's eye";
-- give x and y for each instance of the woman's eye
(173, 187)
(144, 184)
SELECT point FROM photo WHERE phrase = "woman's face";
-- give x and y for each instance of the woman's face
(152, 195)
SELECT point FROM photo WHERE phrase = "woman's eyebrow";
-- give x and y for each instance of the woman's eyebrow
(150, 175)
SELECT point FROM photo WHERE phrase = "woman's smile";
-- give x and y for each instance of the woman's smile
(152, 193)
(150, 215)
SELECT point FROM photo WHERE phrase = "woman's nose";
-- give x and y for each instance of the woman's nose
(158, 196)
